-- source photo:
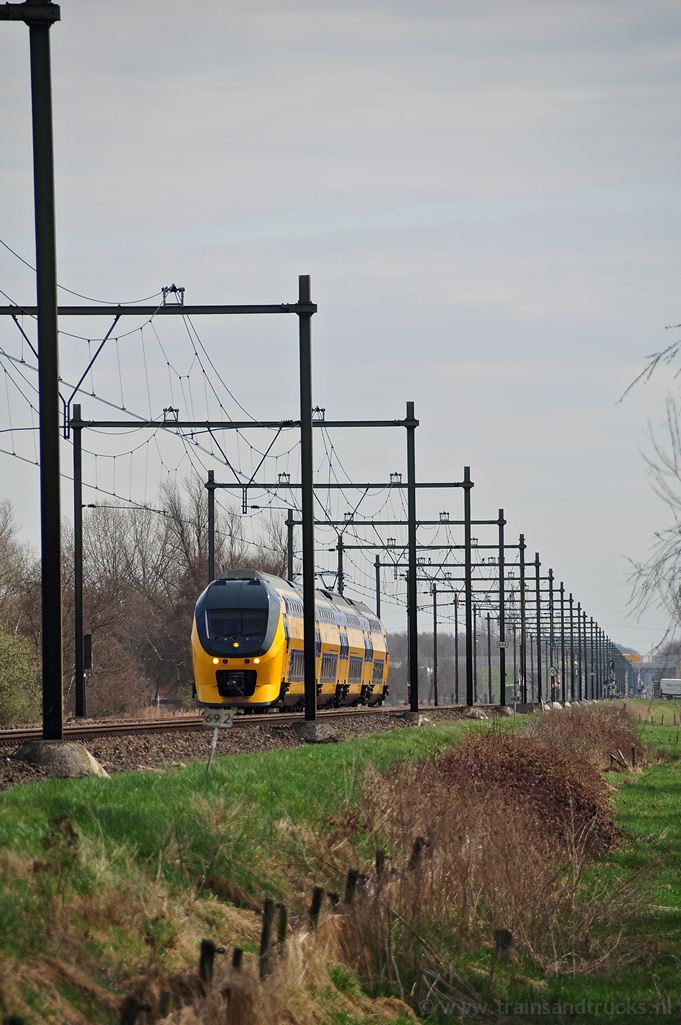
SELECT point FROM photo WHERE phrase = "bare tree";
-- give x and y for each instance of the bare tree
(16, 565)
(657, 579)
(273, 548)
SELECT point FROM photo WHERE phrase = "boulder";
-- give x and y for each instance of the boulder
(415, 718)
(315, 732)
(63, 759)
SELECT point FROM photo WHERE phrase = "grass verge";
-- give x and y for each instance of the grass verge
(104, 882)
(107, 886)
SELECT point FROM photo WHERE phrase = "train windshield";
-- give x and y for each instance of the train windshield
(224, 624)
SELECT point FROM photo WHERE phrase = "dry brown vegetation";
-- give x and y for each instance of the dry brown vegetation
(507, 827)
(592, 731)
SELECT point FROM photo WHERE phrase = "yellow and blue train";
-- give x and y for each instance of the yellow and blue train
(247, 646)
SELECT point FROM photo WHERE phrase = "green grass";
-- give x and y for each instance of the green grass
(649, 810)
(188, 829)
(142, 811)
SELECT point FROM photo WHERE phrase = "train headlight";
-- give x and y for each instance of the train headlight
(235, 644)
(256, 661)
(216, 661)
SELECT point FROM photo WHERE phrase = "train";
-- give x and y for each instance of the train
(247, 646)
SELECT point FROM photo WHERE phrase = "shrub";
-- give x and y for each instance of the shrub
(19, 685)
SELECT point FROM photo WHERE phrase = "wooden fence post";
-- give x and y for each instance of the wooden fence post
(282, 926)
(266, 935)
(503, 941)
(351, 885)
(316, 906)
(417, 852)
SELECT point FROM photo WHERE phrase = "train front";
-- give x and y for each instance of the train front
(238, 643)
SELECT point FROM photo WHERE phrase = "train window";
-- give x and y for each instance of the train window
(329, 667)
(294, 606)
(368, 649)
(296, 667)
(344, 646)
(317, 643)
(355, 670)
(378, 670)
(223, 624)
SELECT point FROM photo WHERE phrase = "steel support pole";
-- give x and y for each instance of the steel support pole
(377, 566)
(39, 19)
(592, 688)
(468, 572)
(412, 601)
(550, 660)
(523, 624)
(210, 487)
(475, 652)
(572, 648)
(307, 496)
(489, 660)
(502, 612)
(537, 592)
(456, 649)
(585, 689)
(585, 664)
(289, 545)
(435, 644)
(79, 651)
(531, 647)
(340, 576)
(597, 680)
(579, 651)
(515, 660)
(563, 680)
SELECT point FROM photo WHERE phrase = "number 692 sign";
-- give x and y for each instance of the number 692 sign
(218, 717)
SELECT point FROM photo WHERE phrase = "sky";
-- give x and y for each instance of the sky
(485, 197)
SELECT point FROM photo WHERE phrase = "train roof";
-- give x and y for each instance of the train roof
(253, 574)
(271, 578)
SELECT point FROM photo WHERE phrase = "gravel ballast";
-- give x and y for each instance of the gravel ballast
(130, 752)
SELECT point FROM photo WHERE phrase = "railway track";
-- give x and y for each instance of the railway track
(74, 731)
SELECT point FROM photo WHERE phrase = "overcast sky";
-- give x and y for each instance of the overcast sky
(486, 198)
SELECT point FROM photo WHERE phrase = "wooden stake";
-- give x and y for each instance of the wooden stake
(316, 906)
(266, 936)
(503, 941)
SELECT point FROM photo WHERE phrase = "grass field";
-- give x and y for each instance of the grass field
(104, 881)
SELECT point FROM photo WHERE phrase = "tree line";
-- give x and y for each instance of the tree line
(143, 570)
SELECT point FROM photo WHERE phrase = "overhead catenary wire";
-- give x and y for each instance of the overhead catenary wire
(88, 298)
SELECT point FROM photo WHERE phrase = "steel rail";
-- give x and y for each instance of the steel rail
(74, 730)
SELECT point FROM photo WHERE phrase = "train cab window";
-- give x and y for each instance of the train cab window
(223, 624)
